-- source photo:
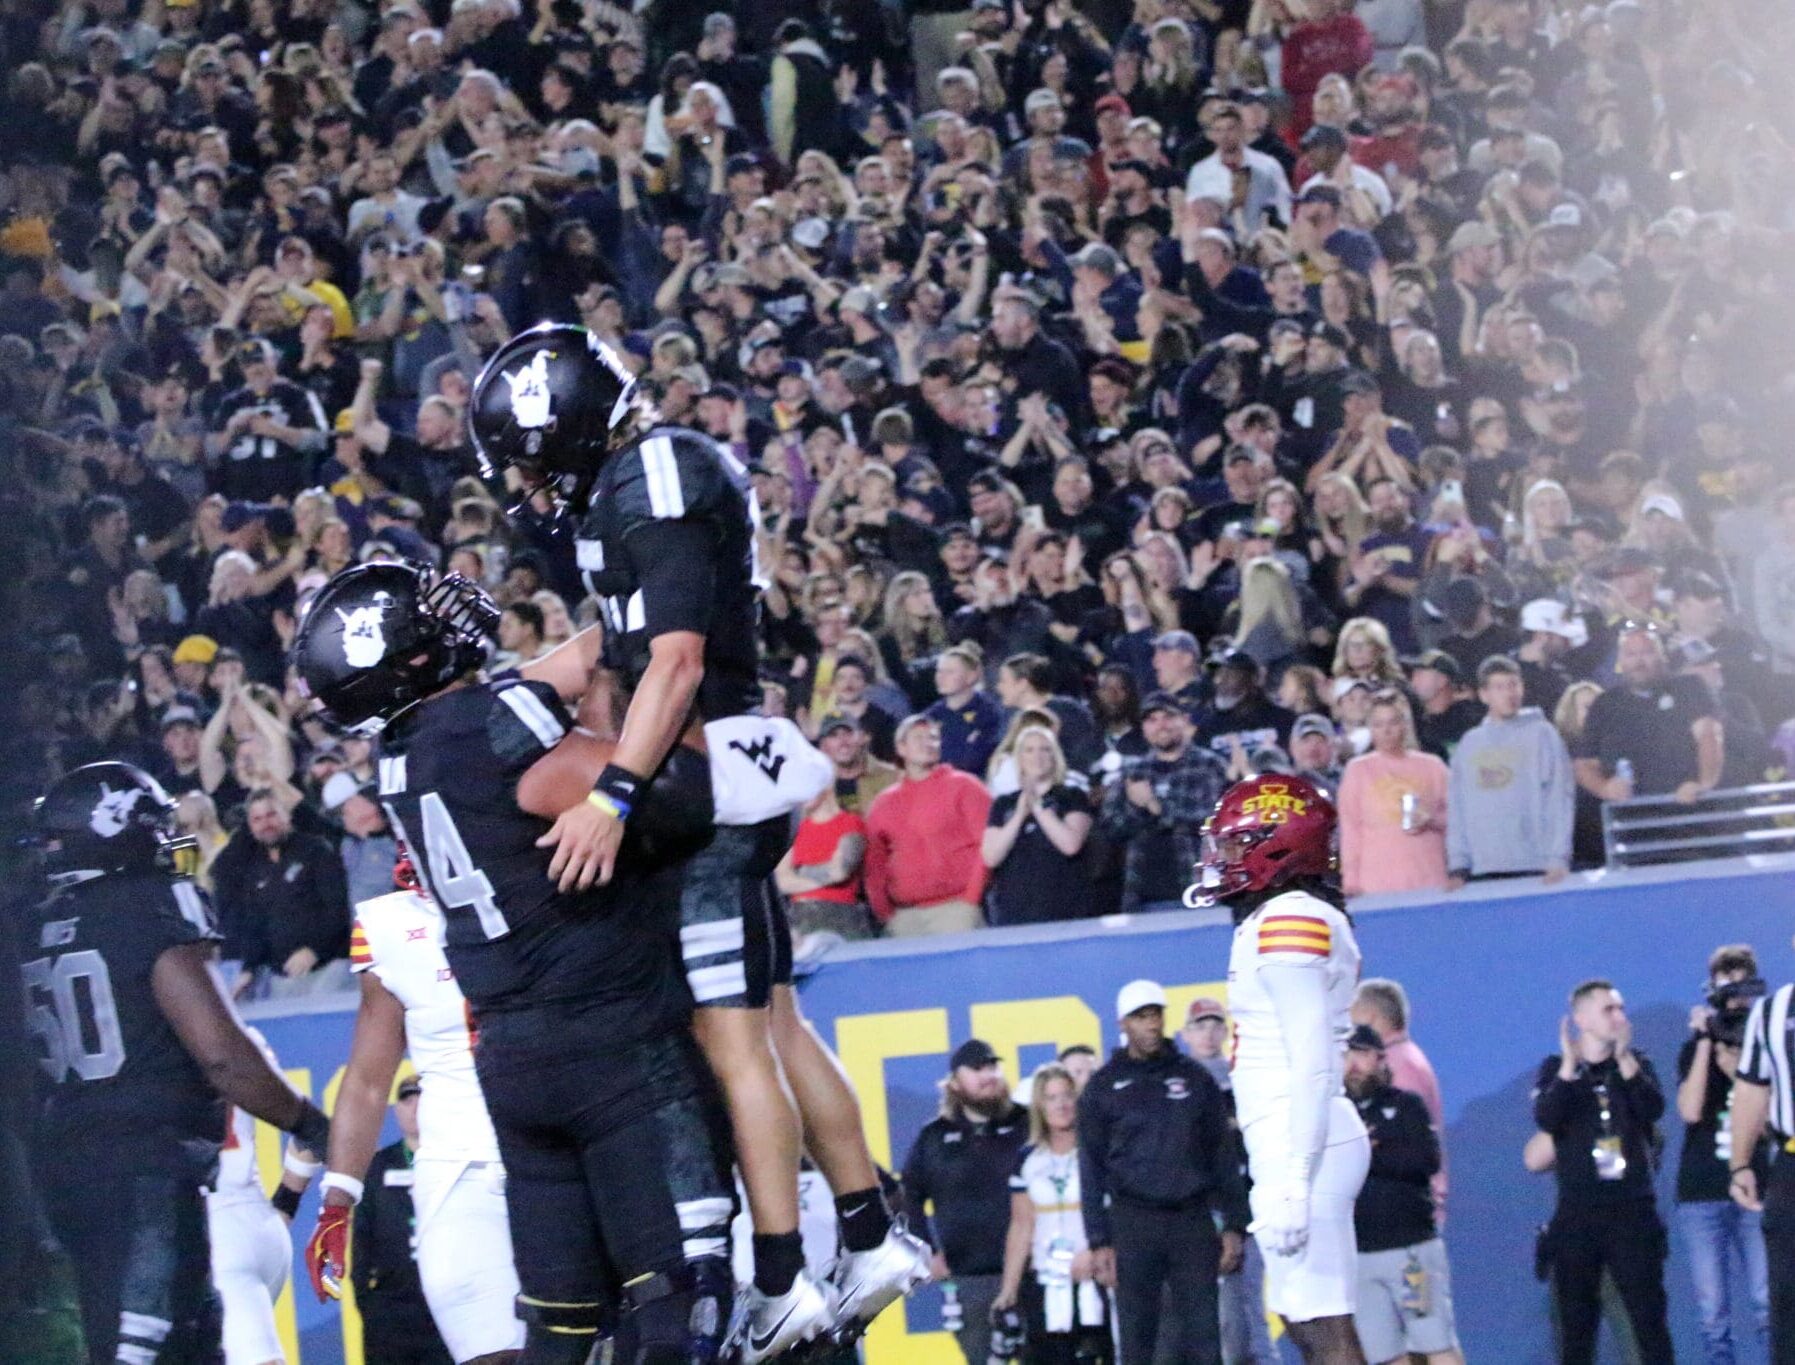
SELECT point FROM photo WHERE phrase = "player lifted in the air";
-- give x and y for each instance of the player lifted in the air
(411, 1004)
(1268, 855)
(666, 540)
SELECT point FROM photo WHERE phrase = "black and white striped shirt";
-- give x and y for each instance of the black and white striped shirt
(1765, 1057)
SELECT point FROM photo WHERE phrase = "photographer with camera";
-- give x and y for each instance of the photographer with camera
(1765, 1097)
(1715, 1229)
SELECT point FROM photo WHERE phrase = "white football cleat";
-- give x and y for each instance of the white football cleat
(772, 1326)
(868, 1282)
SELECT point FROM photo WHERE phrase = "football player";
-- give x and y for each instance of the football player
(251, 1250)
(616, 1168)
(411, 1004)
(1292, 970)
(143, 1052)
(666, 539)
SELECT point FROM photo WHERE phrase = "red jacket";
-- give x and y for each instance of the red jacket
(922, 842)
(1316, 49)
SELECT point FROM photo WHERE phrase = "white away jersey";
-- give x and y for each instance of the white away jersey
(1291, 930)
(399, 937)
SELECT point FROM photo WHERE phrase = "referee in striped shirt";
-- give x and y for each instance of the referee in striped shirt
(1764, 1096)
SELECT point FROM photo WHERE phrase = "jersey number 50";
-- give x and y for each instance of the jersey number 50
(80, 1006)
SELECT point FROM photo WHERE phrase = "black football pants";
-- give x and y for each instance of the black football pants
(617, 1165)
(138, 1242)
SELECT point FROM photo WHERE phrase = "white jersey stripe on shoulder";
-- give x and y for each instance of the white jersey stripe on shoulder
(665, 496)
(528, 708)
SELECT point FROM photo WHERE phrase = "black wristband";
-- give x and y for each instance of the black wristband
(285, 1200)
(620, 786)
(311, 1130)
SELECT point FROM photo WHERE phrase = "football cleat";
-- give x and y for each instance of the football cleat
(770, 1326)
(868, 1282)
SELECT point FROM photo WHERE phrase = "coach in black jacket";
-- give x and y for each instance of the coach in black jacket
(1158, 1168)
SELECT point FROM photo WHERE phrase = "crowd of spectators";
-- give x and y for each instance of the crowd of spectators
(1136, 395)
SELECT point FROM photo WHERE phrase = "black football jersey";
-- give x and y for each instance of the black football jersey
(668, 544)
(449, 770)
(114, 1062)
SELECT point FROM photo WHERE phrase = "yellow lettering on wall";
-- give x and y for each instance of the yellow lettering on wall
(1057, 1020)
(864, 1042)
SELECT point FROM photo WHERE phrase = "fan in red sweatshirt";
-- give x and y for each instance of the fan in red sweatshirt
(922, 836)
(1336, 39)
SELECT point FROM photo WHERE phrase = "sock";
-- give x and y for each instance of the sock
(864, 1219)
(777, 1260)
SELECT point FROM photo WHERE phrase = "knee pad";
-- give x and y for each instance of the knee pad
(675, 817)
(559, 1333)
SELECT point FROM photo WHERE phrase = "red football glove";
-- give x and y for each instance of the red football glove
(327, 1254)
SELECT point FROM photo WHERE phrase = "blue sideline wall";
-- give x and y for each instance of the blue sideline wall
(1487, 974)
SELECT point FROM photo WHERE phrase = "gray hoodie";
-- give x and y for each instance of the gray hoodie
(1511, 798)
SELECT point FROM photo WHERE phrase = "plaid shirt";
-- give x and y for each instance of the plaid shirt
(1188, 788)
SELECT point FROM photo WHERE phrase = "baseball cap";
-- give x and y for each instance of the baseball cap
(975, 1053)
(1097, 256)
(1041, 99)
(337, 790)
(1364, 1039)
(1312, 723)
(1177, 639)
(1344, 685)
(1323, 135)
(1438, 661)
(1470, 236)
(1204, 1007)
(1160, 701)
(859, 299)
(1664, 503)
(1320, 194)
(835, 723)
(1112, 101)
(1360, 382)
(1624, 560)
(1565, 216)
(1139, 995)
(240, 514)
(180, 715)
(1234, 658)
(1550, 615)
(195, 649)
(1700, 586)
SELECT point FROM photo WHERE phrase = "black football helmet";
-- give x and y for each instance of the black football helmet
(108, 818)
(379, 638)
(554, 400)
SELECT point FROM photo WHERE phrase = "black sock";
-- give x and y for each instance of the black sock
(777, 1261)
(864, 1219)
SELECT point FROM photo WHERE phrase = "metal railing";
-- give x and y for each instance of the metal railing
(1647, 830)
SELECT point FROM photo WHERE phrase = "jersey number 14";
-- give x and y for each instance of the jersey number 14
(456, 881)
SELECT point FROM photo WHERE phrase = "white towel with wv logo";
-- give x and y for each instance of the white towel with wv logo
(762, 768)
